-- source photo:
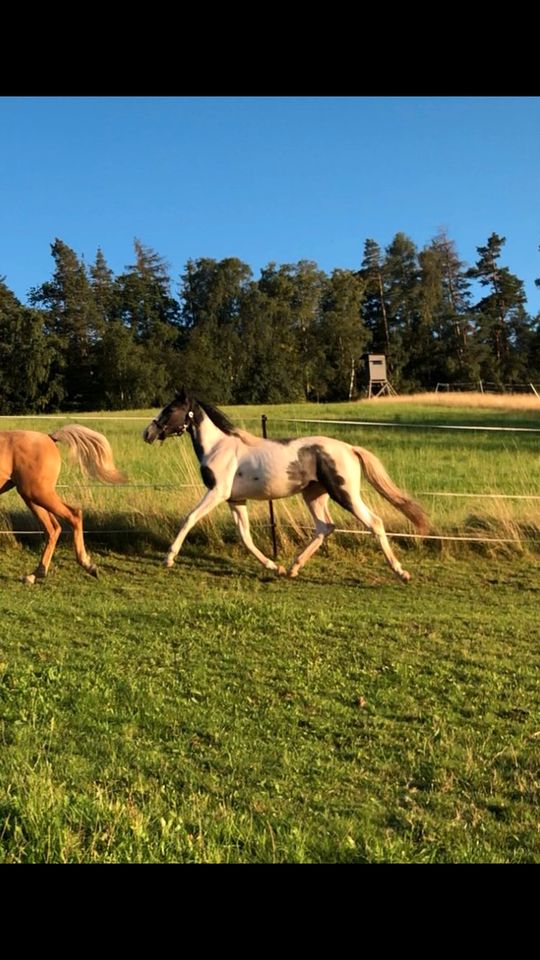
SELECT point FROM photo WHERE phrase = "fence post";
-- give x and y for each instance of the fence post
(264, 418)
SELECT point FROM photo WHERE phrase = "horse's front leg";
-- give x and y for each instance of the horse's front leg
(241, 519)
(210, 500)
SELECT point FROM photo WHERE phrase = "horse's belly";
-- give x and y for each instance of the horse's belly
(257, 486)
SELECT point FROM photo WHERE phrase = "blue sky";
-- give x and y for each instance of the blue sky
(265, 179)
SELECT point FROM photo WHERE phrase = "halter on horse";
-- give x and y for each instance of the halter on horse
(237, 466)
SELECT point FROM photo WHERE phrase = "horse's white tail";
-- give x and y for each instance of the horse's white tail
(376, 474)
(91, 450)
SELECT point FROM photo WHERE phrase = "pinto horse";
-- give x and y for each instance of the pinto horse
(236, 466)
(30, 461)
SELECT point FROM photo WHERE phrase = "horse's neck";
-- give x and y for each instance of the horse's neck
(205, 435)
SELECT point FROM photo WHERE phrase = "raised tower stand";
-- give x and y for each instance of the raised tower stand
(379, 386)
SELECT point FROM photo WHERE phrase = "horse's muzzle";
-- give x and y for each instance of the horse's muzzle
(151, 433)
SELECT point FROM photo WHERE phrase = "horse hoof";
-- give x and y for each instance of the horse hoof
(30, 578)
(404, 576)
(281, 571)
(293, 572)
(92, 570)
(168, 563)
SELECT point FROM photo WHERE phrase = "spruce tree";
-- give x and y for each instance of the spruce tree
(342, 336)
(213, 354)
(401, 270)
(502, 324)
(25, 358)
(374, 309)
(144, 304)
(73, 324)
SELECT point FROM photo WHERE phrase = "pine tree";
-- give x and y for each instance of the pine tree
(103, 289)
(126, 376)
(374, 311)
(533, 353)
(73, 324)
(342, 336)
(402, 275)
(213, 355)
(25, 358)
(144, 304)
(294, 293)
(456, 293)
(144, 298)
(442, 350)
(501, 321)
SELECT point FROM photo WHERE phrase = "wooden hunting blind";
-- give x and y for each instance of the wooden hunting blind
(378, 382)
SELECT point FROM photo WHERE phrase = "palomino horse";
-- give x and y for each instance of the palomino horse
(237, 466)
(30, 461)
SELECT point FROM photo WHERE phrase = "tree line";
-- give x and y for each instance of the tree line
(90, 340)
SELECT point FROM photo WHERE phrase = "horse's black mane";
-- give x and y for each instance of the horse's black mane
(218, 418)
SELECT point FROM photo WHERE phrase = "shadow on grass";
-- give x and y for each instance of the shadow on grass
(116, 531)
(129, 534)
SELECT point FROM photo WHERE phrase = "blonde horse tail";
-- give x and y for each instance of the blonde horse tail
(376, 474)
(91, 450)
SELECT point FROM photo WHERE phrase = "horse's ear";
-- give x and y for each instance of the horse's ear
(181, 394)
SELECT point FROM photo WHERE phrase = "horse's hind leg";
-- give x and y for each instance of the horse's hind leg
(52, 529)
(52, 503)
(316, 499)
(375, 524)
(241, 519)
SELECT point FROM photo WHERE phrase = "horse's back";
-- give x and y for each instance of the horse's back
(27, 456)
(329, 449)
(24, 442)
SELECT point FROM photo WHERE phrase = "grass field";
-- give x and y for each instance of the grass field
(215, 714)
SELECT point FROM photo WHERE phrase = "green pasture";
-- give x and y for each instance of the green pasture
(214, 713)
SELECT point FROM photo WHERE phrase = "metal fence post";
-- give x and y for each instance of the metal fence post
(264, 418)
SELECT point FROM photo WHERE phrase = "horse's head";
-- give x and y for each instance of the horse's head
(173, 421)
